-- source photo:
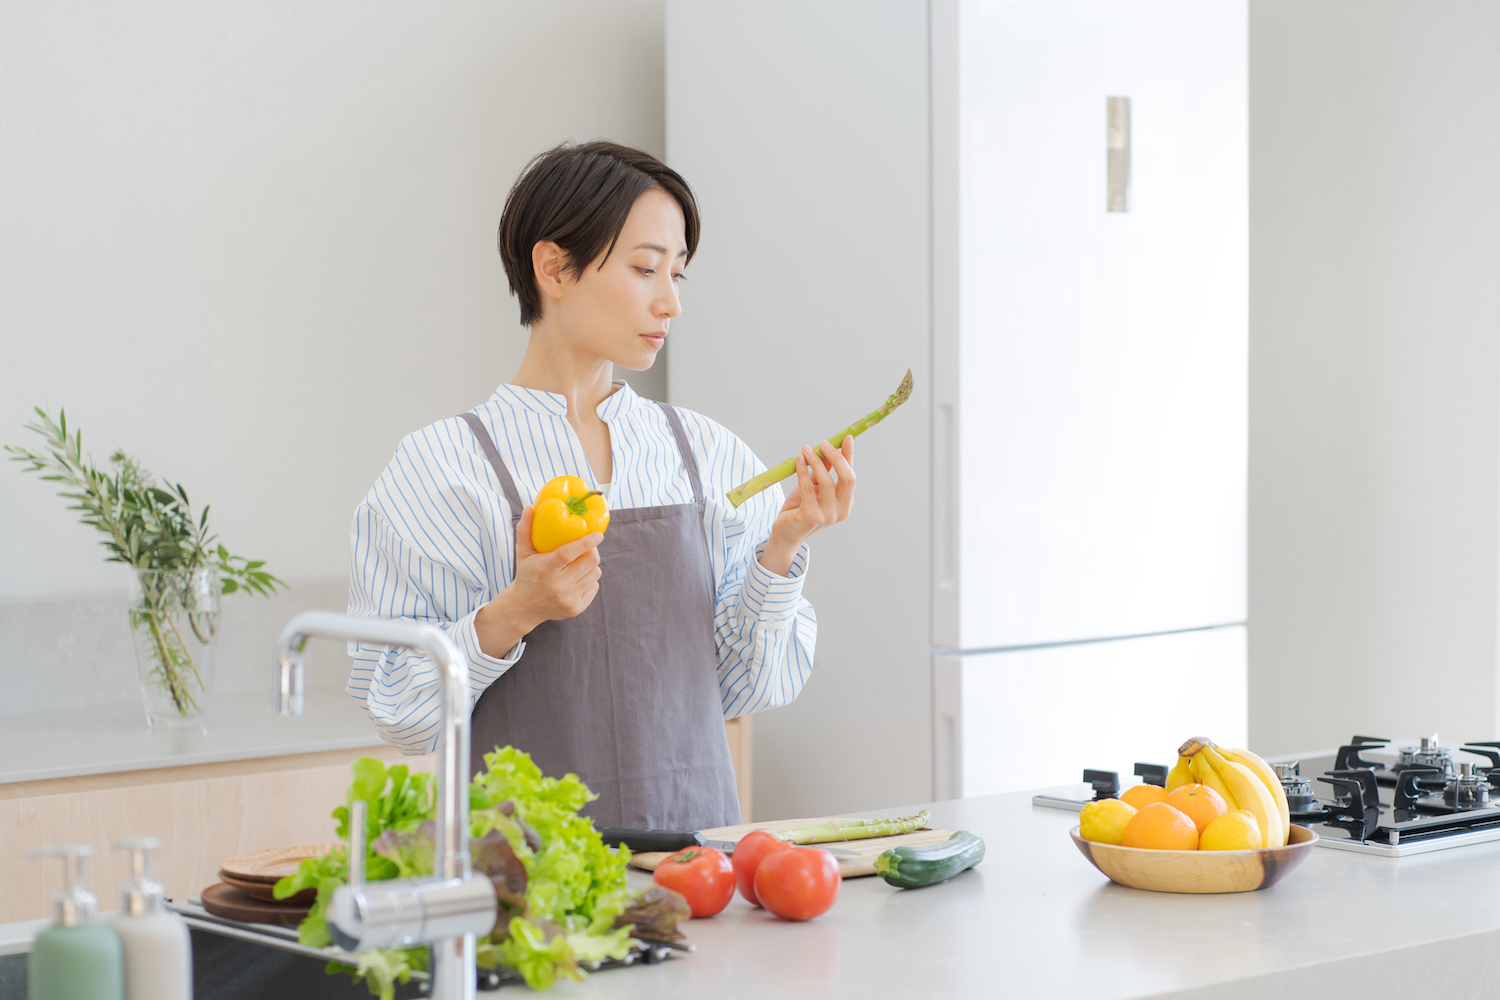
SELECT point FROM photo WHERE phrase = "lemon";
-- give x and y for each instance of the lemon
(1236, 831)
(1104, 821)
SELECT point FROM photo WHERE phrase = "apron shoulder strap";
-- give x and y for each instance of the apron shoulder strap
(688, 461)
(507, 484)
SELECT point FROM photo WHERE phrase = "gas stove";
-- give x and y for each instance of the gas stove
(1372, 795)
(1376, 796)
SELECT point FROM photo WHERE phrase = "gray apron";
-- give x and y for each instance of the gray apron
(626, 695)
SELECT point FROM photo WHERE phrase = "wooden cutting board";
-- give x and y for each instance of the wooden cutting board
(864, 851)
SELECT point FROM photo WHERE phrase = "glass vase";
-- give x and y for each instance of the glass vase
(174, 620)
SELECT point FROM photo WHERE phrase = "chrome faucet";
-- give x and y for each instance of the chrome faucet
(449, 909)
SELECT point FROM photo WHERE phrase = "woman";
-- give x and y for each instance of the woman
(619, 655)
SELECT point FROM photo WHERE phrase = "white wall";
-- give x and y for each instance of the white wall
(1374, 370)
(254, 245)
(808, 300)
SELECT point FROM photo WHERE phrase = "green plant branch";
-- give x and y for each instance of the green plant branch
(151, 529)
(187, 656)
(170, 679)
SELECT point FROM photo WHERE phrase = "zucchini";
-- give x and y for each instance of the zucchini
(914, 867)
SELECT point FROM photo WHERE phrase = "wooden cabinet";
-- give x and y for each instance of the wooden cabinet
(738, 732)
(203, 813)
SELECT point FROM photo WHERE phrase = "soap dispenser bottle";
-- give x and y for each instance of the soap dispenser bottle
(158, 948)
(76, 958)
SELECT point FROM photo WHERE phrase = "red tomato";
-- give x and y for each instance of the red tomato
(703, 876)
(748, 854)
(798, 884)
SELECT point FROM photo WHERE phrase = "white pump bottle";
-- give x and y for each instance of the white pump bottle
(158, 949)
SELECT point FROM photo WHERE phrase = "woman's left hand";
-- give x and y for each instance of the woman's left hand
(824, 495)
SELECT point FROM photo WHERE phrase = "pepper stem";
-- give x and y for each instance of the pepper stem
(578, 505)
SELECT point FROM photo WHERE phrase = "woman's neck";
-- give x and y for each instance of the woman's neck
(584, 379)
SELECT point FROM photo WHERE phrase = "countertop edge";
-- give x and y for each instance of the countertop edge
(331, 722)
(188, 760)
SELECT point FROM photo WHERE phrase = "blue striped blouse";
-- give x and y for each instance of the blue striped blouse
(432, 542)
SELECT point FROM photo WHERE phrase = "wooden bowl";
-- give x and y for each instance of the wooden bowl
(1198, 871)
(266, 891)
(230, 903)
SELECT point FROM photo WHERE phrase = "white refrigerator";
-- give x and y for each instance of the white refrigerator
(1046, 568)
(1090, 323)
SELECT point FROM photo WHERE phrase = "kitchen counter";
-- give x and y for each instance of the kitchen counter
(105, 740)
(1036, 920)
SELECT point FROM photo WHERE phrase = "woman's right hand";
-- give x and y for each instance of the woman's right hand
(548, 586)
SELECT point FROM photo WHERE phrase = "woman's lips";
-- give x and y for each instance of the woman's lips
(655, 339)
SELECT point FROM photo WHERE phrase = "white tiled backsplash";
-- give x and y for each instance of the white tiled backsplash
(75, 652)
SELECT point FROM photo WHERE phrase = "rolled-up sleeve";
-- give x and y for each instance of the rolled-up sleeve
(764, 629)
(422, 549)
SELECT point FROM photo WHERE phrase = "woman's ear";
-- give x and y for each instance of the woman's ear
(549, 264)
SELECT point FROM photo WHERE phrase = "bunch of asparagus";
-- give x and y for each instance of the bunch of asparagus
(854, 829)
(777, 473)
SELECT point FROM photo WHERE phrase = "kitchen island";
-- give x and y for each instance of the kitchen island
(1037, 920)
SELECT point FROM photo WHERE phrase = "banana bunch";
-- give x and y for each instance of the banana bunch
(1243, 779)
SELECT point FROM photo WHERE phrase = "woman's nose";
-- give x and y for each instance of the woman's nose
(669, 304)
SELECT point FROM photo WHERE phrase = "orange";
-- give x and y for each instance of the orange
(1202, 804)
(1161, 827)
(1143, 795)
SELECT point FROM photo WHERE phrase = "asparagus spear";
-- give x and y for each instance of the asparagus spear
(854, 829)
(777, 473)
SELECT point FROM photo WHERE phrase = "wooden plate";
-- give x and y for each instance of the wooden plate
(1198, 871)
(858, 861)
(265, 891)
(270, 865)
(230, 903)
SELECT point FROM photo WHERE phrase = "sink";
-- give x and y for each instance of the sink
(230, 969)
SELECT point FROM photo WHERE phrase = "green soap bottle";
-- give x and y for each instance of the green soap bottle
(76, 958)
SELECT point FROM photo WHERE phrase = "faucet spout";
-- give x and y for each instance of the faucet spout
(291, 679)
(358, 910)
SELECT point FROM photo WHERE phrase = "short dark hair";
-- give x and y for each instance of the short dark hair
(578, 196)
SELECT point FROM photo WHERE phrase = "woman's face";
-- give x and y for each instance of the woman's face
(621, 309)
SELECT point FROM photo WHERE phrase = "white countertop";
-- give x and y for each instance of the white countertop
(17, 938)
(1036, 920)
(236, 727)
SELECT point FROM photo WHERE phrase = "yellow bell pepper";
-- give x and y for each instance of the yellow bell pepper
(566, 510)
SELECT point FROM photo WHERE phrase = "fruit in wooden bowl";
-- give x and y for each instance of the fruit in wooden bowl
(1221, 823)
(1198, 871)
